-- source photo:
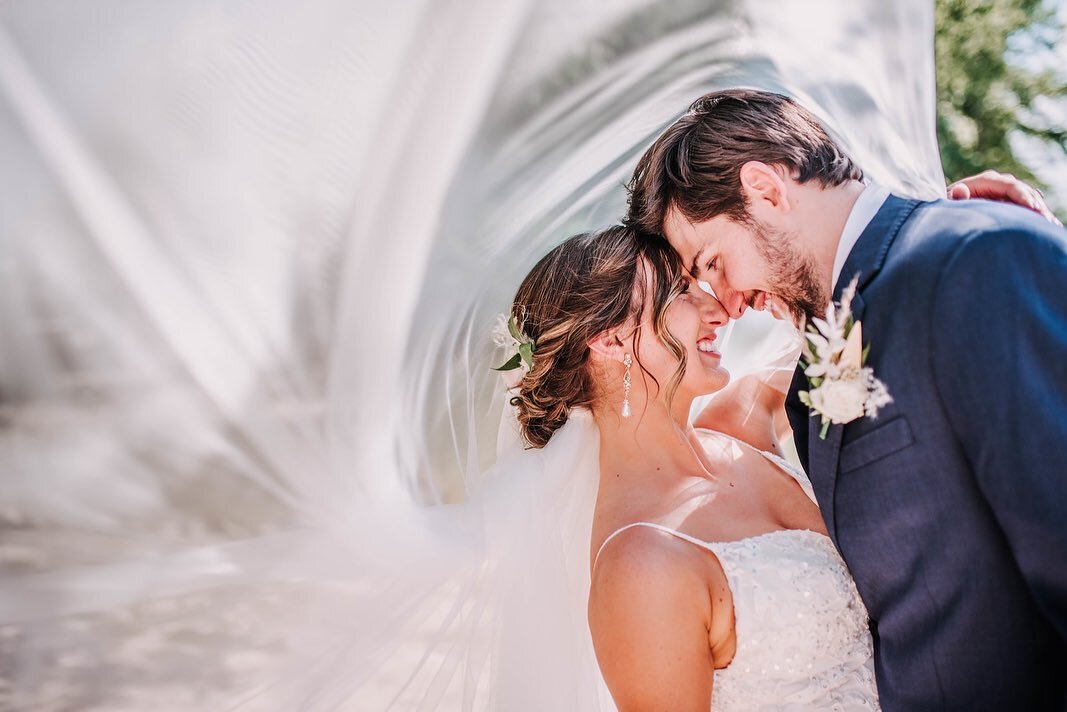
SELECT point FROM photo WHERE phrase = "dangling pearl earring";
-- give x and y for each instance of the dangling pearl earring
(626, 383)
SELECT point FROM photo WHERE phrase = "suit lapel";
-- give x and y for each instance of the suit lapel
(823, 455)
(868, 254)
(865, 262)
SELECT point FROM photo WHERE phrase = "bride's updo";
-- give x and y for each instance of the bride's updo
(583, 287)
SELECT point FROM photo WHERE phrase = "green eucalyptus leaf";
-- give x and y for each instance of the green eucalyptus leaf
(511, 364)
(526, 354)
(825, 428)
(513, 329)
(866, 351)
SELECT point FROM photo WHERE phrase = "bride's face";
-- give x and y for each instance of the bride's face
(694, 318)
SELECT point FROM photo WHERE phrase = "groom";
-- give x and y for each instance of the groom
(950, 508)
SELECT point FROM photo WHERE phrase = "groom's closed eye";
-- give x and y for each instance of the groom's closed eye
(709, 263)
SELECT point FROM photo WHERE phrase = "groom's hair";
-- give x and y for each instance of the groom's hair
(695, 165)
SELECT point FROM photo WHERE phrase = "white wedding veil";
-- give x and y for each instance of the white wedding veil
(250, 256)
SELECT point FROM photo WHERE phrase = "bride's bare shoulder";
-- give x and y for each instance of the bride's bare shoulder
(644, 563)
(649, 595)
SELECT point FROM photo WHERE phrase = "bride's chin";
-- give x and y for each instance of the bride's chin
(722, 378)
(717, 379)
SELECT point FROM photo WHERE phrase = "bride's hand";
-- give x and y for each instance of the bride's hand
(1004, 187)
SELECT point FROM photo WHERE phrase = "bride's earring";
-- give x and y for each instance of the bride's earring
(626, 383)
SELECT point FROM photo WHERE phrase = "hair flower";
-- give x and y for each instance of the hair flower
(508, 334)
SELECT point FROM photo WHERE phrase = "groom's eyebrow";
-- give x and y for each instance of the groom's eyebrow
(694, 268)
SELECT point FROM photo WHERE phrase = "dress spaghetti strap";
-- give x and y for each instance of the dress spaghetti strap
(652, 525)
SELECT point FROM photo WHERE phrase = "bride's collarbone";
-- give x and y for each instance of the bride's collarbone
(742, 494)
(757, 475)
(749, 496)
(711, 520)
(682, 494)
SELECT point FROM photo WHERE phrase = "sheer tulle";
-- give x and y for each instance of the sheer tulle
(251, 256)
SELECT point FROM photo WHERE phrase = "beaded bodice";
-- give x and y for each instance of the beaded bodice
(802, 636)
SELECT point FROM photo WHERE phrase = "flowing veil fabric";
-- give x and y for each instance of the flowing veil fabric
(250, 257)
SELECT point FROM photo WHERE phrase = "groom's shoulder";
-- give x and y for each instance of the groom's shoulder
(953, 227)
(965, 219)
(978, 241)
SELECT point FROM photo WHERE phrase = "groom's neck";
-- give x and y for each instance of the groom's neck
(821, 214)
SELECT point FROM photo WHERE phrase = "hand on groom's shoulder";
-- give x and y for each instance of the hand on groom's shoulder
(1005, 188)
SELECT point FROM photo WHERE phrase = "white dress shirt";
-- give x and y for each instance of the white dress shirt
(863, 212)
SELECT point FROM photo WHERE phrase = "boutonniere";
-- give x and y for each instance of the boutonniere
(842, 387)
(508, 335)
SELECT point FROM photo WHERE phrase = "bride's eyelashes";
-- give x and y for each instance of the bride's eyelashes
(682, 288)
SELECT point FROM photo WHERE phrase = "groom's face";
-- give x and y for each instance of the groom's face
(746, 264)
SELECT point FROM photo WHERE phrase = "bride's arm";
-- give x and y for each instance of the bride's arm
(751, 409)
(649, 613)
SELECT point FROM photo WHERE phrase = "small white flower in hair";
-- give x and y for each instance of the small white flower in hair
(508, 335)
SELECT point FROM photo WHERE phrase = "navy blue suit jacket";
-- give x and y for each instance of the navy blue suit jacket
(950, 508)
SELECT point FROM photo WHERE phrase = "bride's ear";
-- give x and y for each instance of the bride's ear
(608, 346)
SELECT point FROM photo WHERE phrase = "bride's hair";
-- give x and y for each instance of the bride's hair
(585, 286)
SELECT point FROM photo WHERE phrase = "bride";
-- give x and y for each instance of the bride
(713, 580)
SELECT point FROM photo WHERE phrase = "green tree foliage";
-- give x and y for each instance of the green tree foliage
(989, 87)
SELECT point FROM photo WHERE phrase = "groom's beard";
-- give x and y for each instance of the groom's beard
(792, 274)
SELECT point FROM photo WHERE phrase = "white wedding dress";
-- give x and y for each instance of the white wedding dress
(803, 641)
(251, 256)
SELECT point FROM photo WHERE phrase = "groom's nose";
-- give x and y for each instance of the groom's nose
(735, 302)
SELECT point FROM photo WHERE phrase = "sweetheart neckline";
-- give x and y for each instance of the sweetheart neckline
(742, 540)
(763, 535)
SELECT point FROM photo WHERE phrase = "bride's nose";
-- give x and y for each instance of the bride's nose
(712, 311)
(723, 300)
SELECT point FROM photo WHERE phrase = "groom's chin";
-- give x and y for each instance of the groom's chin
(799, 312)
(809, 308)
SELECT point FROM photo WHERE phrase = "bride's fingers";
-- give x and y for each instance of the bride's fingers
(993, 185)
(958, 191)
(777, 310)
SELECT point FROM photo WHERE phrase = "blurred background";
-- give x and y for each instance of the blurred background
(1001, 88)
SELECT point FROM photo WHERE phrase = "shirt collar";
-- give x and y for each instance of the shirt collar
(864, 210)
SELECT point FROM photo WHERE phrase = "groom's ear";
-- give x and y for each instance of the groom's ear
(608, 345)
(764, 187)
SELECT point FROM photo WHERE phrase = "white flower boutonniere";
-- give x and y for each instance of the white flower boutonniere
(508, 335)
(842, 387)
